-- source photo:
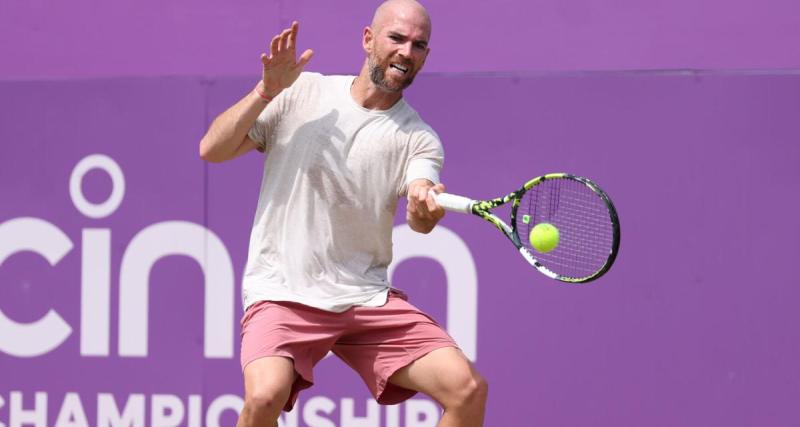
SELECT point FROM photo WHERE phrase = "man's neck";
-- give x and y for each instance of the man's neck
(369, 96)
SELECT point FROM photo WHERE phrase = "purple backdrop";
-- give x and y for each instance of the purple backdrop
(694, 326)
(79, 39)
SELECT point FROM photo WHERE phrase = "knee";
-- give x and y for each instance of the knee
(264, 401)
(470, 390)
(478, 388)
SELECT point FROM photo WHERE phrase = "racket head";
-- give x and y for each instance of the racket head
(586, 219)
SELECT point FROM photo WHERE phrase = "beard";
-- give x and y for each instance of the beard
(377, 74)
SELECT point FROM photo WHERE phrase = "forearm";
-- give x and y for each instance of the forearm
(228, 132)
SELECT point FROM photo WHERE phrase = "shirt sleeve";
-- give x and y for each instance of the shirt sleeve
(427, 159)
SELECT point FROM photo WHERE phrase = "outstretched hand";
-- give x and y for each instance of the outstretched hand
(281, 66)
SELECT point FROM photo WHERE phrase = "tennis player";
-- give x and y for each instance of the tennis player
(341, 151)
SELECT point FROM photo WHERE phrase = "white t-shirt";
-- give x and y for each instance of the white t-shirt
(334, 171)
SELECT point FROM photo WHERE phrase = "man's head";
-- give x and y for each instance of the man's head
(397, 44)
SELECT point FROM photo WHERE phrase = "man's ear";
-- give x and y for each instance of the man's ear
(366, 39)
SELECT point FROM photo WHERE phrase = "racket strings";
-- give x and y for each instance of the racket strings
(583, 221)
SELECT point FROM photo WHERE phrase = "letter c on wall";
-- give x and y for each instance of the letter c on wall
(43, 238)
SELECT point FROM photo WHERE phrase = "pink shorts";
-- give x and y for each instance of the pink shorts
(374, 341)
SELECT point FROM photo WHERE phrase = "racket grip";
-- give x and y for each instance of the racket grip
(451, 202)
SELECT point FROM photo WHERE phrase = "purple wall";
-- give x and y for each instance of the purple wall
(694, 326)
(83, 39)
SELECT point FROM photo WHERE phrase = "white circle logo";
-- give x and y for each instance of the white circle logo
(109, 166)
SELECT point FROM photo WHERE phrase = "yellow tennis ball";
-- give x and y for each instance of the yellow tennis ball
(544, 237)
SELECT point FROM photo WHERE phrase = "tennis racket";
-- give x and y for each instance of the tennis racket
(585, 219)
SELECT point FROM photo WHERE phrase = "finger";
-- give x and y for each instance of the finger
(264, 59)
(284, 40)
(273, 48)
(414, 205)
(292, 36)
(431, 205)
(304, 58)
(411, 207)
(430, 201)
(422, 193)
(422, 204)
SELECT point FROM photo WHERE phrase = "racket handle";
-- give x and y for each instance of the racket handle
(451, 202)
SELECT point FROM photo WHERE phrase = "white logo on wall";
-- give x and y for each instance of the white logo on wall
(183, 238)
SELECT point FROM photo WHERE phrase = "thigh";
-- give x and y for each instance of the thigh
(269, 378)
(284, 339)
(383, 340)
(439, 374)
(301, 333)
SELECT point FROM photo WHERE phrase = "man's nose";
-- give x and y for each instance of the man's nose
(405, 49)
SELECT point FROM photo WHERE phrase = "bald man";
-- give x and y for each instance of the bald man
(341, 151)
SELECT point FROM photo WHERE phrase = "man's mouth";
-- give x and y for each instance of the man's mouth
(399, 67)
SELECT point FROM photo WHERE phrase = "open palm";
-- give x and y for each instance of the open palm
(281, 66)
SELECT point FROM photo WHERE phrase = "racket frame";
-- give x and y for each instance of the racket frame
(483, 209)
